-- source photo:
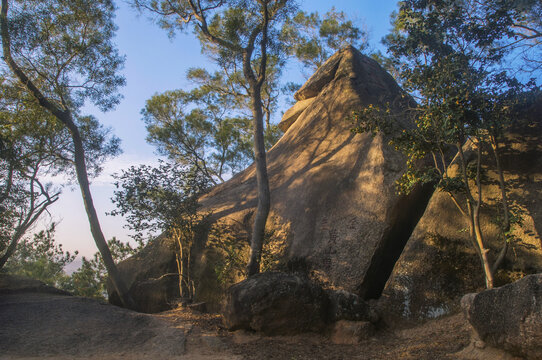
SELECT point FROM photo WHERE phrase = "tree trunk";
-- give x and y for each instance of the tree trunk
(474, 214)
(264, 196)
(180, 268)
(65, 117)
(504, 200)
(11, 248)
(95, 228)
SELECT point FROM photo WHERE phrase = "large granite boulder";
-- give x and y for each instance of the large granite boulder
(509, 317)
(439, 265)
(334, 191)
(151, 277)
(333, 198)
(276, 303)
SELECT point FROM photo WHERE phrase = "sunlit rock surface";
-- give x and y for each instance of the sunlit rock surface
(334, 207)
(439, 264)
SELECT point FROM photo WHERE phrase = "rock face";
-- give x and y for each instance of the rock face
(150, 276)
(332, 192)
(280, 303)
(15, 284)
(439, 264)
(276, 303)
(40, 321)
(291, 115)
(509, 317)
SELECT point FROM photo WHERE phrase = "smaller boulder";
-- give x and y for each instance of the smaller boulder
(351, 332)
(276, 304)
(509, 317)
(348, 306)
(151, 277)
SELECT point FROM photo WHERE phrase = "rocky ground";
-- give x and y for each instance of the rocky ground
(37, 322)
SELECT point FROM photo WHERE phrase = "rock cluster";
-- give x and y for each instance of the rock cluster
(439, 264)
(332, 190)
(509, 317)
(279, 303)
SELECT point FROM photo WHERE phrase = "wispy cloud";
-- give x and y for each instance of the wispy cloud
(113, 166)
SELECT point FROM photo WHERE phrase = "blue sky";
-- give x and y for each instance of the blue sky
(155, 63)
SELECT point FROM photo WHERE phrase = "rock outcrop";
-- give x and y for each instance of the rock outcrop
(276, 303)
(279, 303)
(151, 277)
(40, 321)
(15, 284)
(332, 191)
(509, 317)
(439, 265)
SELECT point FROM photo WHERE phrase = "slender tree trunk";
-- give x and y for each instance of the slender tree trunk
(478, 231)
(180, 267)
(504, 200)
(65, 117)
(95, 228)
(474, 215)
(264, 196)
(11, 248)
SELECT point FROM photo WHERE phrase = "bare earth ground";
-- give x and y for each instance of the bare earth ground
(41, 325)
(38, 321)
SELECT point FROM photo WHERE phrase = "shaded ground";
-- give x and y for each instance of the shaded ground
(438, 339)
(35, 323)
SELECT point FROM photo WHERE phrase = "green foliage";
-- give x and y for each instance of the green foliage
(65, 47)
(232, 254)
(452, 64)
(61, 50)
(91, 277)
(158, 199)
(449, 55)
(313, 39)
(41, 258)
(193, 129)
(163, 199)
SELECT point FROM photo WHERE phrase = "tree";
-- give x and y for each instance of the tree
(36, 145)
(23, 200)
(524, 37)
(41, 258)
(196, 129)
(163, 199)
(313, 39)
(61, 53)
(242, 32)
(91, 278)
(450, 58)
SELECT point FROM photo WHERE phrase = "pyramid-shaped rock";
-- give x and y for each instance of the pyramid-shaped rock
(333, 189)
(333, 192)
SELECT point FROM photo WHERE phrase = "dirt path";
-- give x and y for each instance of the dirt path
(438, 339)
(43, 325)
